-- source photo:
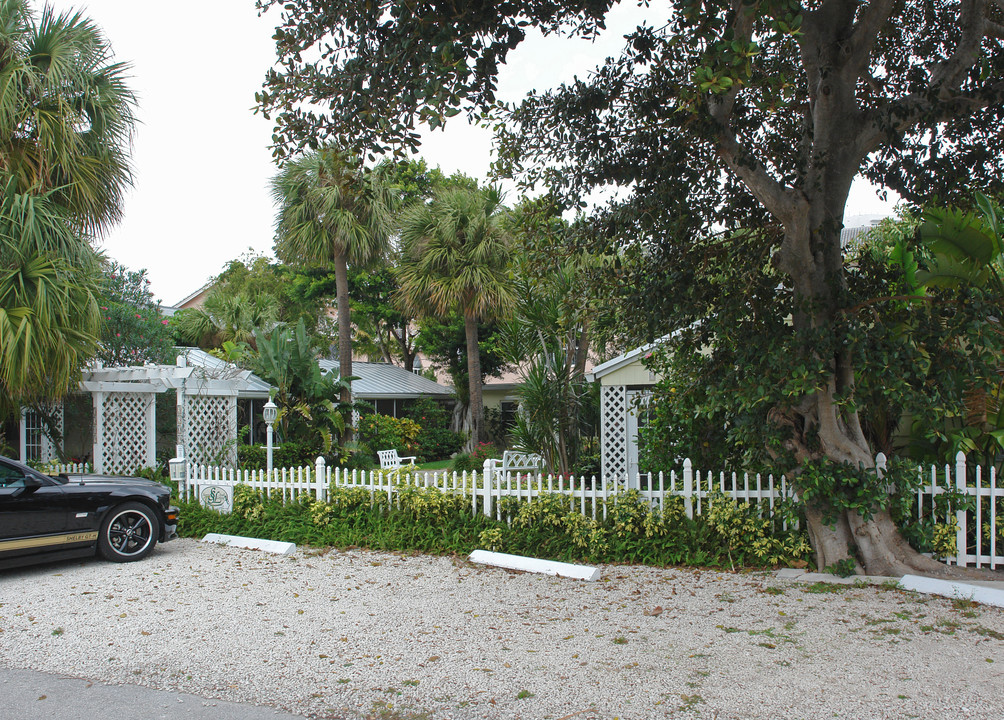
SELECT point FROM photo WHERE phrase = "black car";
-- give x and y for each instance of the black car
(46, 518)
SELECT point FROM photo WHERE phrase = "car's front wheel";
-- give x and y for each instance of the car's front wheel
(128, 533)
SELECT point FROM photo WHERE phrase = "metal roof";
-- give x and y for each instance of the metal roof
(627, 358)
(251, 386)
(383, 380)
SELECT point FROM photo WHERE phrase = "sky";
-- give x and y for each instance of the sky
(201, 159)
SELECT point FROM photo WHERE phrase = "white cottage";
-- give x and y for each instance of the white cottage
(625, 388)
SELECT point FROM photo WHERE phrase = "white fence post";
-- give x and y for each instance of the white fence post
(881, 465)
(960, 515)
(320, 486)
(688, 487)
(488, 478)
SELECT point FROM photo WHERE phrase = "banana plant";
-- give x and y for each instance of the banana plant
(968, 250)
(968, 247)
(307, 398)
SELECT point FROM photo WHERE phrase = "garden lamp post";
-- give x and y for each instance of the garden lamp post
(269, 413)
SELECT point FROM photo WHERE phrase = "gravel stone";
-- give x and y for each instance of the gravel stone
(360, 634)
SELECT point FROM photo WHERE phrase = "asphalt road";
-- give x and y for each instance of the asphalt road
(31, 695)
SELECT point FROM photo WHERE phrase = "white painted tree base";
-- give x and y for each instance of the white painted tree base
(946, 588)
(526, 564)
(270, 546)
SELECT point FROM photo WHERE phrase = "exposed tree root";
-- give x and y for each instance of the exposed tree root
(878, 548)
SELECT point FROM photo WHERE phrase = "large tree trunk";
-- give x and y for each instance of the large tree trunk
(835, 46)
(474, 379)
(344, 333)
(875, 544)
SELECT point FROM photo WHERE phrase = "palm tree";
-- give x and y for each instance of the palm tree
(456, 259)
(65, 124)
(66, 114)
(226, 317)
(332, 210)
(49, 316)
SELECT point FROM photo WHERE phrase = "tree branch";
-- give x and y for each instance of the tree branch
(859, 50)
(941, 99)
(949, 74)
(740, 159)
(898, 117)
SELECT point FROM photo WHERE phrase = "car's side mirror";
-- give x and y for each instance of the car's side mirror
(31, 484)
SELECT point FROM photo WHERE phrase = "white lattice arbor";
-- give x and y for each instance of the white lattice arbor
(125, 414)
(211, 429)
(125, 430)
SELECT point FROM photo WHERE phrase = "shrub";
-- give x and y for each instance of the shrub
(485, 451)
(384, 432)
(289, 454)
(432, 520)
(750, 538)
(435, 440)
(463, 462)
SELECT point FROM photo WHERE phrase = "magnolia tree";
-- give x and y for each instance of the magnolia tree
(718, 113)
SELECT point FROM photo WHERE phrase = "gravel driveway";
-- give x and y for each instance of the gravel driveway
(376, 635)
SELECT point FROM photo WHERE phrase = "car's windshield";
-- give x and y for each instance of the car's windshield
(14, 474)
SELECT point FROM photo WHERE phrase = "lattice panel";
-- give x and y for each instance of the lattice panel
(613, 430)
(126, 433)
(211, 429)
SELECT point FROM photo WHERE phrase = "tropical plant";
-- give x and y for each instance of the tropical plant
(49, 313)
(547, 337)
(968, 247)
(308, 411)
(225, 317)
(333, 210)
(435, 440)
(456, 259)
(66, 114)
(385, 432)
(65, 125)
(968, 250)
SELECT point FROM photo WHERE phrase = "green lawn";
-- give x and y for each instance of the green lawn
(438, 465)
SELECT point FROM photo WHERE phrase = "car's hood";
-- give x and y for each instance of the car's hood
(113, 480)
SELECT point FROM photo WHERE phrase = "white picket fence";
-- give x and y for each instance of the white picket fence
(54, 468)
(591, 496)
